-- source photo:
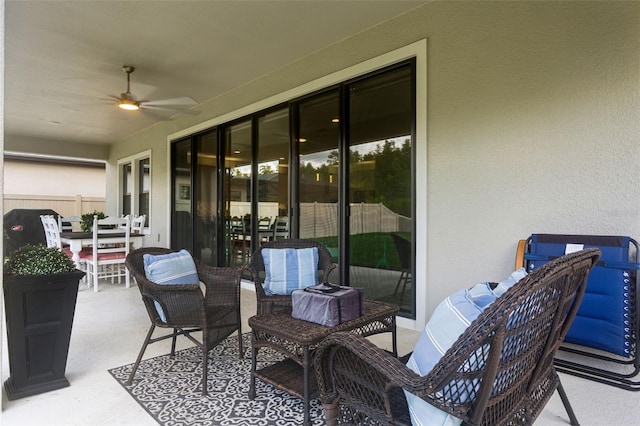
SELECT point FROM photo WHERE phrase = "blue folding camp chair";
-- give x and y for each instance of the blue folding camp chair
(606, 326)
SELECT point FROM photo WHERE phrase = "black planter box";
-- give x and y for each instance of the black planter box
(39, 311)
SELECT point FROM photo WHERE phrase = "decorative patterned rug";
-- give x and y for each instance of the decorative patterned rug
(169, 389)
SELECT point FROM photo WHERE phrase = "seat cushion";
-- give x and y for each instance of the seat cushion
(449, 320)
(171, 268)
(289, 269)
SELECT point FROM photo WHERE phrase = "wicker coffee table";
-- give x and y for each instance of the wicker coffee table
(296, 339)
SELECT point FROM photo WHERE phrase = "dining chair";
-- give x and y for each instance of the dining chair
(137, 224)
(264, 228)
(111, 245)
(52, 235)
(51, 231)
(69, 223)
(280, 227)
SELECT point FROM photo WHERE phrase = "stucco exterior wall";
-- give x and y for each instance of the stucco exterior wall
(532, 125)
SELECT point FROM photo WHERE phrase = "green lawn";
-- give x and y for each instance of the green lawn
(375, 250)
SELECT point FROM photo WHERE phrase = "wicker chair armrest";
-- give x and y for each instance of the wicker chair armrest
(378, 359)
(222, 283)
(377, 371)
(256, 279)
(182, 304)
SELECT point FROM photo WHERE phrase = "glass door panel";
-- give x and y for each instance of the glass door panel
(273, 175)
(205, 198)
(380, 187)
(181, 229)
(238, 171)
(318, 138)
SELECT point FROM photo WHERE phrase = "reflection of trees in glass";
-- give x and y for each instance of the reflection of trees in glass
(237, 172)
(381, 175)
(392, 177)
(266, 169)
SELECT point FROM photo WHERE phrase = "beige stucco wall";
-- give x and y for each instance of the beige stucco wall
(532, 126)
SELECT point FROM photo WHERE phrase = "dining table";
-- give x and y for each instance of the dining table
(78, 240)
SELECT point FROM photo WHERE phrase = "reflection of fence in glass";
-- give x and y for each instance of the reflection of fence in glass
(321, 219)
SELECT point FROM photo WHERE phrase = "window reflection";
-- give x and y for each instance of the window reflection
(380, 187)
(318, 141)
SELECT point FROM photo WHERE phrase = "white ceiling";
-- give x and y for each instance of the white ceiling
(63, 59)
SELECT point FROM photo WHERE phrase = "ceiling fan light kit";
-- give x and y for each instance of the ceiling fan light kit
(129, 102)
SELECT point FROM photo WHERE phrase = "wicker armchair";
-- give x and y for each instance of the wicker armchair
(187, 310)
(499, 371)
(272, 303)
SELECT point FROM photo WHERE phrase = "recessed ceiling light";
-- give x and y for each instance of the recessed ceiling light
(236, 152)
(335, 120)
(302, 140)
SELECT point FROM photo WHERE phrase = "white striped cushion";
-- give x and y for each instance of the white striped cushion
(289, 269)
(172, 268)
(449, 320)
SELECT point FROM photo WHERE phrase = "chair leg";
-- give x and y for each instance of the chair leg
(173, 341)
(239, 322)
(144, 348)
(567, 405)
(95, 279)
(205, 363)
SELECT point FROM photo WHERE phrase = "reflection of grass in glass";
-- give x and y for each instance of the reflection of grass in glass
(374, 250)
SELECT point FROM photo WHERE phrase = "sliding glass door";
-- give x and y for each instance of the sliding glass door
(335, 166)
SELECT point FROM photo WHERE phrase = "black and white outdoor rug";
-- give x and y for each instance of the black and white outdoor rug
(169, 389)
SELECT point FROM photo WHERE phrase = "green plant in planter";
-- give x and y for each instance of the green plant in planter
(38, 260)
(40, 284)
(86, 222)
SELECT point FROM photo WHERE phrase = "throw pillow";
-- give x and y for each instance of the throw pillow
(289, 269)
(449, 320)
(171, 268)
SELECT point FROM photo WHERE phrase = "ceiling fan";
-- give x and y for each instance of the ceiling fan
(128, 101)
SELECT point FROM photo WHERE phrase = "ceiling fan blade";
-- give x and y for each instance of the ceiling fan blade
(153, 115)
(176, 110)
(185, 100)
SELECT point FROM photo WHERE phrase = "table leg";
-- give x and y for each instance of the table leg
(75, 246)
(305, 378)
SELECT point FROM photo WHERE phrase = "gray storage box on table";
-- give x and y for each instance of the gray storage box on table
(327, 304)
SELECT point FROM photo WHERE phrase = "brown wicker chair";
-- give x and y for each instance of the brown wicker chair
(187, 310)
(499, 371)
(273, 303)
